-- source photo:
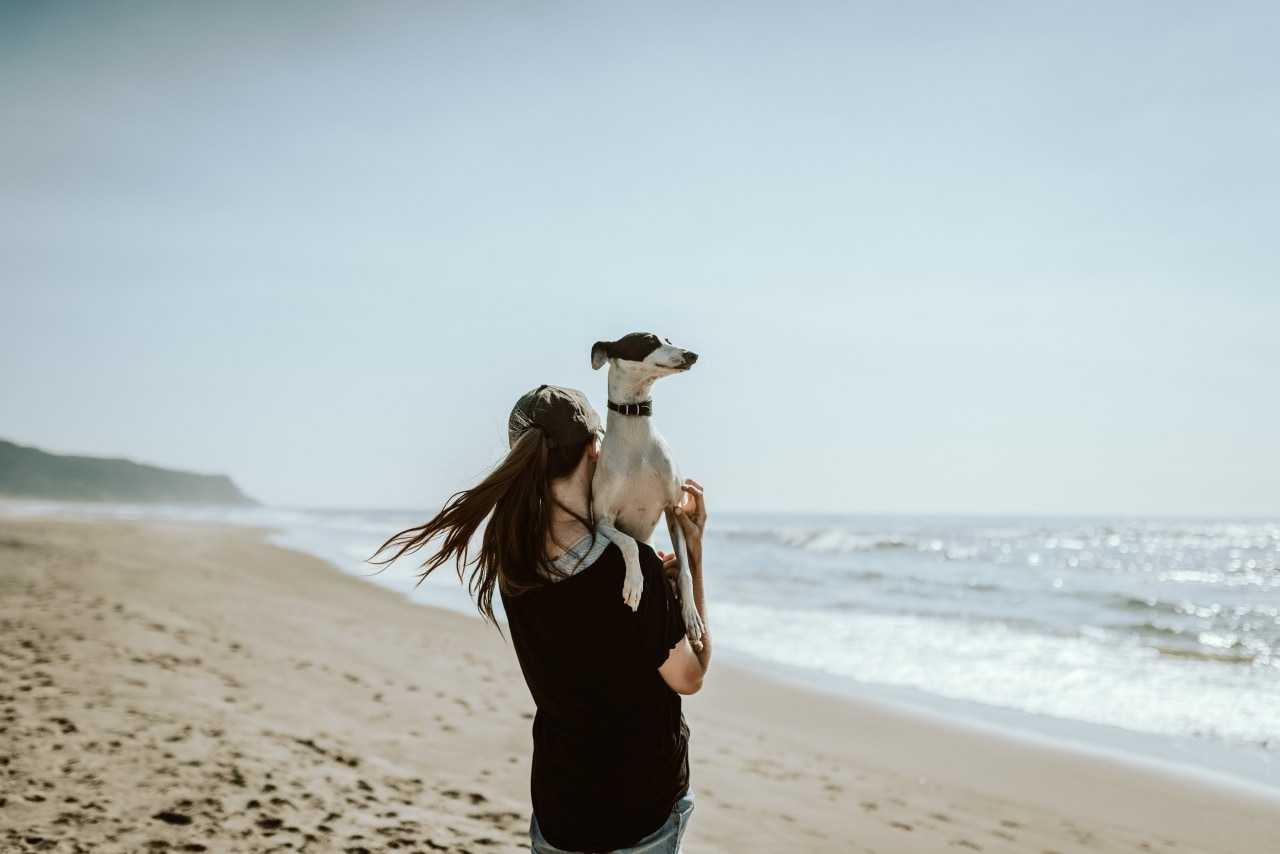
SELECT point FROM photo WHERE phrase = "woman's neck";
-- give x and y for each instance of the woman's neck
(568, 494)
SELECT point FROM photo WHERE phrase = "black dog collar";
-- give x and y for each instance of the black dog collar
(642, 408)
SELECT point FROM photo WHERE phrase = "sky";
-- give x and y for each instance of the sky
(936, 257)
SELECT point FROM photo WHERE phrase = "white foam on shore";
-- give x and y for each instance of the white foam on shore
(1074, 689)
(1077, 678)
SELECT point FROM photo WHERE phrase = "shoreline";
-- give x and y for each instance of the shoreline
(1214, 763)
(811, 771)
(1250, 769)
(1200, 749)
(1250, 772)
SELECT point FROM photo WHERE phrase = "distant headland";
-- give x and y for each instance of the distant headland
(32, 473)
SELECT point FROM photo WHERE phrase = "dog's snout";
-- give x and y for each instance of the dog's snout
(689, 358)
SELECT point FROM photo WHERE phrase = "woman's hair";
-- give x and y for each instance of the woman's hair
(517, 494)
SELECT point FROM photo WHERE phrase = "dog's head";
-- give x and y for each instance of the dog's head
(642, 354)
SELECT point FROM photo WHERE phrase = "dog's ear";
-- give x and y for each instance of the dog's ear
(600, 354)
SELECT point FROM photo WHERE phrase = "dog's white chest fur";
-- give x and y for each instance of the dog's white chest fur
(635, 480)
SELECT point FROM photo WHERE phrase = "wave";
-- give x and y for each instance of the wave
(1189, 642)
(1243, 657)
(1091, 676)
(1135, 604)
(1155, 630)
(829, 540)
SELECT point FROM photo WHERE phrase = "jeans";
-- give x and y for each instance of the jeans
(664, 840)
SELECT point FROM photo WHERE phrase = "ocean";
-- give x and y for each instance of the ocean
(1155, 638)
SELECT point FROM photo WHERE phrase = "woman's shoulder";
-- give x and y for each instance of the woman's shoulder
(583, 553)
(612, 566)
(611, 555)
(605, 563)
(589, 559)
(602, 563)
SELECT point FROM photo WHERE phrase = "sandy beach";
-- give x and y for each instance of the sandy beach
(171, 687)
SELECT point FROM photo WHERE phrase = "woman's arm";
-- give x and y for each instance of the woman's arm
(684, 668)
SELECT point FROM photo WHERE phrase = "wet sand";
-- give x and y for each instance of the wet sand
(170, 688)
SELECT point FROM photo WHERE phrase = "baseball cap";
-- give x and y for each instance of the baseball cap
(563, 415)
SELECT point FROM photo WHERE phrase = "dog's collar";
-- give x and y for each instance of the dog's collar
(645, 407)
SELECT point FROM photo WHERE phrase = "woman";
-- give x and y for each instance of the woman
(610, 745)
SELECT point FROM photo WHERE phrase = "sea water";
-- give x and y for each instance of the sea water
(1087, 628)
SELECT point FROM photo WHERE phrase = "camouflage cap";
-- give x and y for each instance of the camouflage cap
(562, 414)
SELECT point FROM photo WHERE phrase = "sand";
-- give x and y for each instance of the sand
(168, 688)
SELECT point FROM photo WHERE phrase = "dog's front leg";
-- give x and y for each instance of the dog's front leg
(633, 581)
(684, 580)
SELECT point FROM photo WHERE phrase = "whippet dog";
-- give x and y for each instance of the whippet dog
(636, 480)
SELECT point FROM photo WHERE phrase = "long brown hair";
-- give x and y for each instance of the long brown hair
(513, 549)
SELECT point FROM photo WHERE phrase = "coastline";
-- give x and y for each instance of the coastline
(1213, 764)
(1145, 703)
(154, 636)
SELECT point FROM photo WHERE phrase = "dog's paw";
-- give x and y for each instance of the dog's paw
(632, 587)
(692, 625)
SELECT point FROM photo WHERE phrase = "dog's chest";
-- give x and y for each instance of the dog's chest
(639, 506)
(635, 486)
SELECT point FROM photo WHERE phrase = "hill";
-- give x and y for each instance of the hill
(32, 473)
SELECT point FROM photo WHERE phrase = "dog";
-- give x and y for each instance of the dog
(636, 480)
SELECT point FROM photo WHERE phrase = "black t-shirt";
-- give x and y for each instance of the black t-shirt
(610, 745)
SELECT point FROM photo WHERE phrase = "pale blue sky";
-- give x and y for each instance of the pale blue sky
(936, 257)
